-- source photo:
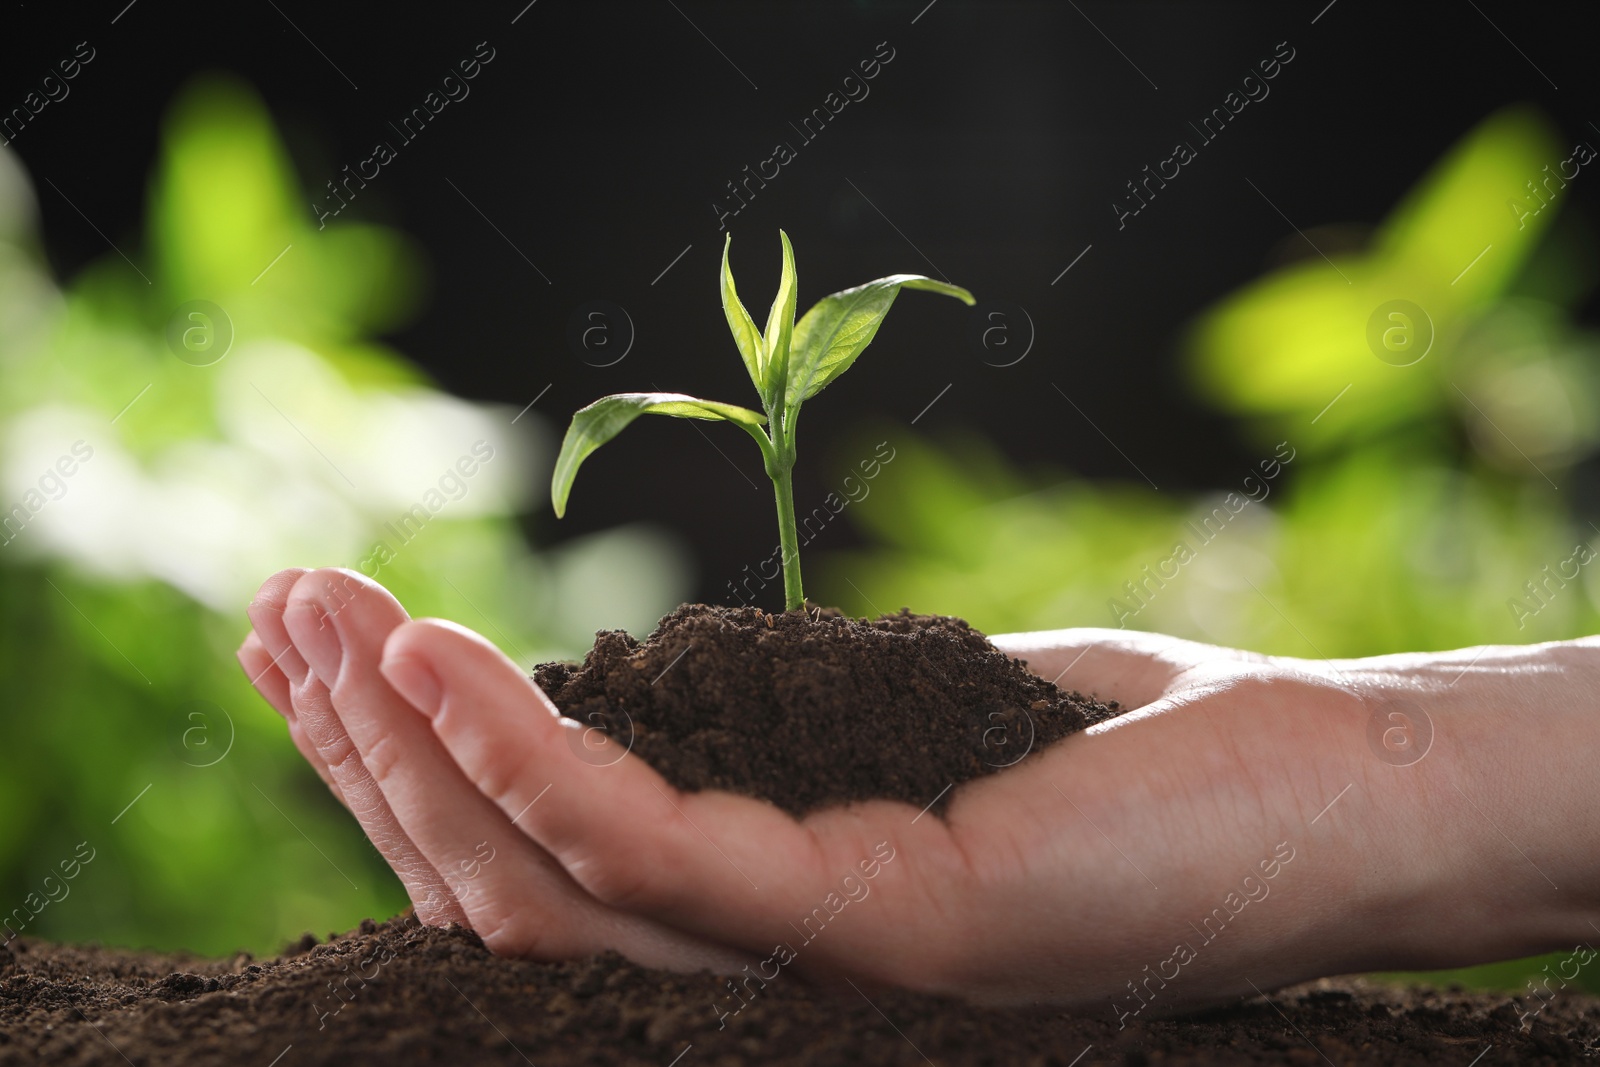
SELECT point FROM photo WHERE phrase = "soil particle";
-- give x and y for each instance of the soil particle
(423, 995)
(811, 708)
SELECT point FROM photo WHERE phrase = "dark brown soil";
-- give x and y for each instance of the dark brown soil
(812, 709)
(806, 711)
(408, 994)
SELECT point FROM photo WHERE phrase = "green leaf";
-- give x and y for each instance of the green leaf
(780, 328)
(598, 423)
(745, 334)
(834, 332)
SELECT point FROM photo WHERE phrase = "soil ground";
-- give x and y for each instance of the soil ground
(409, 994)
(807, 709)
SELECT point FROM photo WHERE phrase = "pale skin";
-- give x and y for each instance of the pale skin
(1069, 878)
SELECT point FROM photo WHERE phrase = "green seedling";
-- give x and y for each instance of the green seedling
(790, 363)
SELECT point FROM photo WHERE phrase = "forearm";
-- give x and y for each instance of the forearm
(1471, 829)
(1494, 751)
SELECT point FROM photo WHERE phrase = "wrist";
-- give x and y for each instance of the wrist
(1484, 756)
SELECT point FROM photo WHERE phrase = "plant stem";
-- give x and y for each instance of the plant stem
(788, 536)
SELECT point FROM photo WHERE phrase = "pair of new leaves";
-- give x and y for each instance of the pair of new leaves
(789, 363)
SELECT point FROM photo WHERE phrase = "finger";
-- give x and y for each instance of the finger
(1129, 666)
(274, 688)
(264, 674)
(724, 866)
(266, 616)
(333, 750)
(519, 900)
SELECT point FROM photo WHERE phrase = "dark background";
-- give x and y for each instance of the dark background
(992, 146)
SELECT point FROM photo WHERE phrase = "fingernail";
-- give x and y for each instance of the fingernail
(265, 619)
(315, 637)
(255, 663)
(412, 680)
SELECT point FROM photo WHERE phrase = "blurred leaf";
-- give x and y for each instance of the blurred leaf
(121, 597)
(230, 225)
(1287, 345)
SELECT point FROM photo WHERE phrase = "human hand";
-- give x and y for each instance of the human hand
(1237, 831)
(313, 654)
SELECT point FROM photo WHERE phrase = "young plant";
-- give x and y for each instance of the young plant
(790, 363)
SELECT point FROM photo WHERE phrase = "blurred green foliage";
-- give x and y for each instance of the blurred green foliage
(1414, 511)
(1420, 502)
(122, 592)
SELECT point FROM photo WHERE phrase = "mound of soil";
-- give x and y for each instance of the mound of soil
(809, 709)
(398, 992)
